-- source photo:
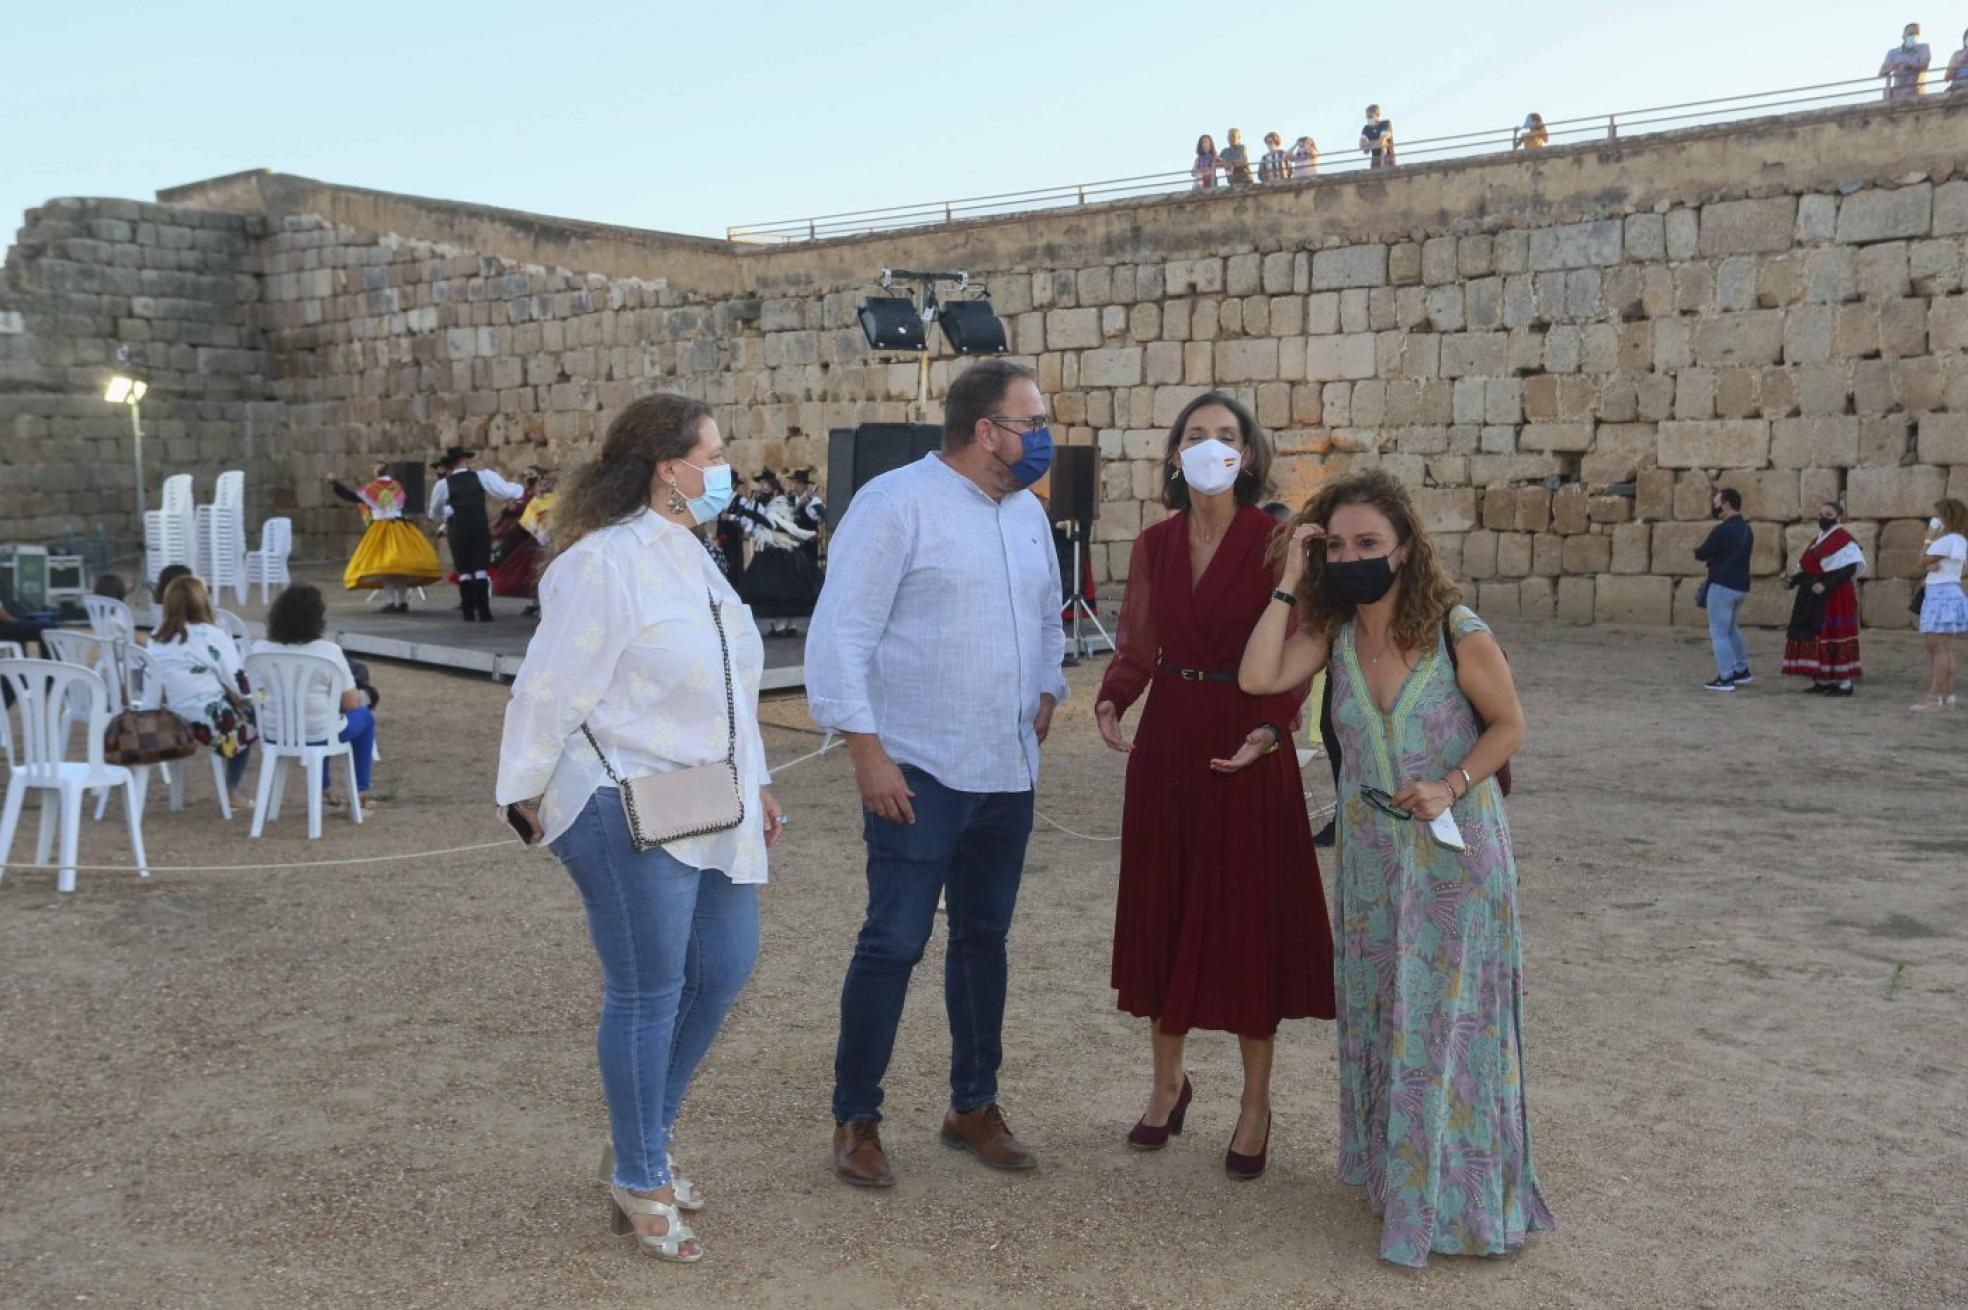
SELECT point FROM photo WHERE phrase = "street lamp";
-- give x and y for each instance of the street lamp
(129, 389)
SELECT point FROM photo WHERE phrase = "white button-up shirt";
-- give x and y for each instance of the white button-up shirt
(938, 628)
(495, 486)
(626, 644)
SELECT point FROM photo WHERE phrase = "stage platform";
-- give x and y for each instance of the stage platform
(433, 634)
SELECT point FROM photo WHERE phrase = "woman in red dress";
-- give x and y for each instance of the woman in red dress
(1824, 620)
(1221, 918)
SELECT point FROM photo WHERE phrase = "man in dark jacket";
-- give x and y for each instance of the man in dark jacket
(1726, 552)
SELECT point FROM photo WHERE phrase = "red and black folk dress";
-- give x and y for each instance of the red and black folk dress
(1823, 640)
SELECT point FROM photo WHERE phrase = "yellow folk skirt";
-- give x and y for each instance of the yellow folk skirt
(395, 550)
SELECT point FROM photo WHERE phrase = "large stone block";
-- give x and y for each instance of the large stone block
(1884, 493)
(1714, 443)
(1802, 443)
(1349, 266)
(1674, 548)
(1901, 548)
(1588, 553)
(1883, 603)
(1119, 367)
(1576, 245)
(1202, 277)
(1333, 358)
(1943, 439)
(1072, 329)
(1881, 214)
(1537, 598)
(1548, 437)
(1446, 509)
(1748, 227)
(1754, 337)
(1247, 361)
(1619, 598)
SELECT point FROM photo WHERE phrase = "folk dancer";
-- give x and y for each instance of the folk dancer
(458, 501)
(393, 555)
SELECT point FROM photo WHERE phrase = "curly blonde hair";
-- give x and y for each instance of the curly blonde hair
(1426, 592)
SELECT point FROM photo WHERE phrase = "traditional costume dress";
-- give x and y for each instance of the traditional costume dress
(781, 582)
(393, 555)
(459, 502)
(521, 534)
(1824, 625)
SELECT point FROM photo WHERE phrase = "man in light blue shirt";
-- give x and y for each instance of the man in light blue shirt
(936, 650)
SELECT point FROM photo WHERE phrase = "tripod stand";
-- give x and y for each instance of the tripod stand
(1080, 645)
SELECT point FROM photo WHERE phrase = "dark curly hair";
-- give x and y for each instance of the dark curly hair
(297, 616)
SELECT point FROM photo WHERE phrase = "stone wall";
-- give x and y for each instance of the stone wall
(1563, 353)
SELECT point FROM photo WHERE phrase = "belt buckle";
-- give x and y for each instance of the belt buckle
(1190, 675)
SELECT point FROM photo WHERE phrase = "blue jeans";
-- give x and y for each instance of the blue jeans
(970, 846)
(360, 729)
(676, 946)
(1731, 656)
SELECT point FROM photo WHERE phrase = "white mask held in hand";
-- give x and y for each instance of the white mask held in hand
(1934, 525)
(1211, 467)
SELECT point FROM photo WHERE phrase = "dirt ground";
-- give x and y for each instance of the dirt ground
(375, 1084)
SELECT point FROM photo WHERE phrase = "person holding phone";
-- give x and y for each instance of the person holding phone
(1219, 919)
(1428, 964)
(646, 662)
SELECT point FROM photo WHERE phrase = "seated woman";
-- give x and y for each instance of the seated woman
(294, 624)
(204, 682)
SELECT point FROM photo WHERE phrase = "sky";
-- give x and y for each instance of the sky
(692, 118)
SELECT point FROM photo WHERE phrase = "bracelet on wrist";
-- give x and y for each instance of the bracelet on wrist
(1285, 596)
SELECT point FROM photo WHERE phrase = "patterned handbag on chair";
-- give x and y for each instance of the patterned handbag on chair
(146, 736)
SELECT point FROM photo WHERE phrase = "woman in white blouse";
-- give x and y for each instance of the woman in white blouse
(644, 644)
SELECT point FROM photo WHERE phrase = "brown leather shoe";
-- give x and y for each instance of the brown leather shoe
(985, 1134)
(859, 1160)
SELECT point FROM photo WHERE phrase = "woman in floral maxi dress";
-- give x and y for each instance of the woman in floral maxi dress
(1428, 959)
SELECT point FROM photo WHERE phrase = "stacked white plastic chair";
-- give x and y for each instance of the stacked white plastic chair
(285, 679)
(170, 532)
(221, 537)
(42, 690)
(268, 565)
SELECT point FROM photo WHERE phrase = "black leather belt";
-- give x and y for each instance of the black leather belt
(1196, 675)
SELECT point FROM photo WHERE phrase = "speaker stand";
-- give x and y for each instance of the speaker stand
(1082, 644)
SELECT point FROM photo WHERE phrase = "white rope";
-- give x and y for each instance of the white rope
(1083, 836)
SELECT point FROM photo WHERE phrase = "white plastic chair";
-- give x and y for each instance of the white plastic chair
(85, 652)
(268, 565)
(285, 679)
(110, 619)
(234, 627)
(143, 688)
(169, 533)
(9, 650)
(42, 690)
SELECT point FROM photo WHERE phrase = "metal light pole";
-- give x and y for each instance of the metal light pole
(126, 390)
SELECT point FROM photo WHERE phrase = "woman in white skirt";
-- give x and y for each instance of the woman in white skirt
(1944, 613)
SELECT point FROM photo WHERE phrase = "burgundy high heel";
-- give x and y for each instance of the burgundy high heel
(1246, 1167)
(1141, 1137)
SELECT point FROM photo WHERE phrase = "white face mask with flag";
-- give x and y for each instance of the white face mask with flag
(1211, 467)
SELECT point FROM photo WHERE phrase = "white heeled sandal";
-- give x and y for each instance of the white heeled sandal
(689, 1197)
(664, 1246)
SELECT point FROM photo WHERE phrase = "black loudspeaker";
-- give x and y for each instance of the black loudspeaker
(410, 474)
(1074, 495)
(856, 456)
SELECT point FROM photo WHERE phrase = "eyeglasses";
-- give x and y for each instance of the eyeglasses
(1019, 425)
(1381, 801)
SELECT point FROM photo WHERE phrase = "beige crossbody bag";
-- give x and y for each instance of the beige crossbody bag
(692, 802)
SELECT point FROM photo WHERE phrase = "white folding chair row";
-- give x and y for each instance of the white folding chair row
(43, 690)
(285, 681)
(268, 565)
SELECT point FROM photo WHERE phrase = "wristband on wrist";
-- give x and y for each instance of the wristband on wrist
(1284, 596)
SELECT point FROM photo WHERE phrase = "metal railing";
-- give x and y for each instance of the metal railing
(1563, 131)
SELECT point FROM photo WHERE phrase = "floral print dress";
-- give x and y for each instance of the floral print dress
(1429, 979)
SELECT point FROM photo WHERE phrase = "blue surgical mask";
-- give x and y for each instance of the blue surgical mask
(717, 493)
(1032, 465)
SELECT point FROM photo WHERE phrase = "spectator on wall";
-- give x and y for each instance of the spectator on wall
(1275, 166)
(1204, 169)
(1906, 64)
(1305, 157)
(1534, 135)
(1377, 139)
(1957, 69)
(1235, 160)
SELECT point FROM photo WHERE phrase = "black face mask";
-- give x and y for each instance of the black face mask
(1359, 581)
(1827, 524)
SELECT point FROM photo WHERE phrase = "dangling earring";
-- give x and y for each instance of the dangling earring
(676, 503)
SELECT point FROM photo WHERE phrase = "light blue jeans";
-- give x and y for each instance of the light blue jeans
(1724, 604)
(676, 946)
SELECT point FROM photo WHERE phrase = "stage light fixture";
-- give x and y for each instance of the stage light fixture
(892, 323)
(972, 327)
(125, 390)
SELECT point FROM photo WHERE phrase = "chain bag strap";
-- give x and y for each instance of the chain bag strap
(690, 802)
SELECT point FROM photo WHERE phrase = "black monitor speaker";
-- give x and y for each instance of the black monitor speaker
(856, 456)
(410, 474)
(1074, 495)
(891, 323)
(972, 328)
